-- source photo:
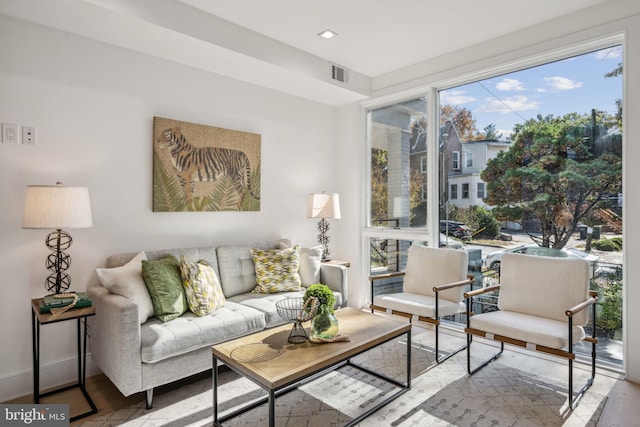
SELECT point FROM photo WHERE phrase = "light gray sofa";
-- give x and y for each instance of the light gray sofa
(138, 357)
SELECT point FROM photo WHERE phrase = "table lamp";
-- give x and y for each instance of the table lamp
(323, 205)
(57, 207)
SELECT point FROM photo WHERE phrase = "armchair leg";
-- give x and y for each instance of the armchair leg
(483, 364)
(448, 355)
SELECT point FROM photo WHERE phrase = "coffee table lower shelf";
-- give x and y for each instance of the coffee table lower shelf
(380, 331)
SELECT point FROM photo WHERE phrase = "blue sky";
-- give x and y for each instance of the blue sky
(571, 85)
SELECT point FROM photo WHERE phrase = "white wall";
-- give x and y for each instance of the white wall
(93, 106)
(484, 60)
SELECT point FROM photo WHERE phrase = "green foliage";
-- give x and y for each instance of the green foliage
(478, 218)
(325, 297)
(556, 171)
(609, 313)
(379, 180)
(224, 196)
(491, 133)
(168, 194)
(611, 245)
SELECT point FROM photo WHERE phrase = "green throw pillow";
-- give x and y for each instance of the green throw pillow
(276, 270)
(163, 281)
(202, 287)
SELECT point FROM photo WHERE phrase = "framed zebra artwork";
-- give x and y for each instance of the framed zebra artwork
(204, 168)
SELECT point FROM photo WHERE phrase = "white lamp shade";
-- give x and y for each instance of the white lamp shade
(56, 206)
(323, 205)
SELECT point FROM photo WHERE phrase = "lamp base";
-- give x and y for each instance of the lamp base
(323, 238)
(58, 261)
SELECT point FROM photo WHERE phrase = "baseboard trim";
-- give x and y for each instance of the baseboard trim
(51, 375)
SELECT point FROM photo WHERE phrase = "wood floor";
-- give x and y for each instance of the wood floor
(621, 409)
(104, 394)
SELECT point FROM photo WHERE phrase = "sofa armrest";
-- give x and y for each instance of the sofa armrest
(115, 339)
(335, 277)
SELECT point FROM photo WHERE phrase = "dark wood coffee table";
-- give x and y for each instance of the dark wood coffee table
(263, 358)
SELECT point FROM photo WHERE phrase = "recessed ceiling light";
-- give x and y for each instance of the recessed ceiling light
(327, 34)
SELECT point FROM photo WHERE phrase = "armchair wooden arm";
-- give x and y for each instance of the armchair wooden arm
(467, 281)
(593, 297)
(481, 291)
(386, 276)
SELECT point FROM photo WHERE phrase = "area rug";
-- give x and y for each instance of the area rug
(516, 390)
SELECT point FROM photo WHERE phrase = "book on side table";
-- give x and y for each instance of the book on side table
(53, 301)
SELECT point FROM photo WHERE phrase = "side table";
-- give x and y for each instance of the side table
(38, 319)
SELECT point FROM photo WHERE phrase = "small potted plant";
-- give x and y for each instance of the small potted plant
(324, 326)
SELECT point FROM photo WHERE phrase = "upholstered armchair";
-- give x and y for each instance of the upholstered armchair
(542, 304)
(433, 285)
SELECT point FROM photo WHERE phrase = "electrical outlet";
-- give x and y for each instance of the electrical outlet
(9, 132)
(29, 135)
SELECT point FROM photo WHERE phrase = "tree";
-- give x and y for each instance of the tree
(462, 120)
(490, 133)
(379, 180)
(552, 174)
(615, 73)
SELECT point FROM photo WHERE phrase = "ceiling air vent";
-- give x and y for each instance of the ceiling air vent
(339, 74)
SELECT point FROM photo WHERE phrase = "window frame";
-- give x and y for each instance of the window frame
(455, 160)
(430, 88)
(481, 194)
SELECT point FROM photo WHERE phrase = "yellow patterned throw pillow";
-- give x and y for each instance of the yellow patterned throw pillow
(276, 270)
(202, 287)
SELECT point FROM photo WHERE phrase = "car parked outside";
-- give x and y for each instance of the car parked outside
(493, 260)
(455, 229)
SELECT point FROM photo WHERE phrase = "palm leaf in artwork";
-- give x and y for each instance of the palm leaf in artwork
(199, 204)
(251, 199)
(224, 196)
(168, 194)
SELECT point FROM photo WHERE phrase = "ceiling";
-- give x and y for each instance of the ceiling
(274, 43)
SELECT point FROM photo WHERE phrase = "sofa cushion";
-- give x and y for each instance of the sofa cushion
(235, 265)
(276, 270)
(164, 283)
(127, 281)
(190, 332)
(266, 303)
(201, 287)
(310, 262)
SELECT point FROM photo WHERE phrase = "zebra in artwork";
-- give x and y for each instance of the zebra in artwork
(205, 164)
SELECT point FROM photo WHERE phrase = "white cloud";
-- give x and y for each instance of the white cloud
(541, 90)
(562, 83)
(510, 84)
(508, 105)
(455, 97)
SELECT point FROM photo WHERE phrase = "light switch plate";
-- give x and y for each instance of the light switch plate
(10, 133)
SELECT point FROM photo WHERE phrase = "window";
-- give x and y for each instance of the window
(553, 123)
(465, 191)
(454, 191)
(397, 136)
(468, 155)
(480, 194)
(578, 99)
(455, 160)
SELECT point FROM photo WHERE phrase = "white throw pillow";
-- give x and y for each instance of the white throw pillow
(127, 281)
(310, 260)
